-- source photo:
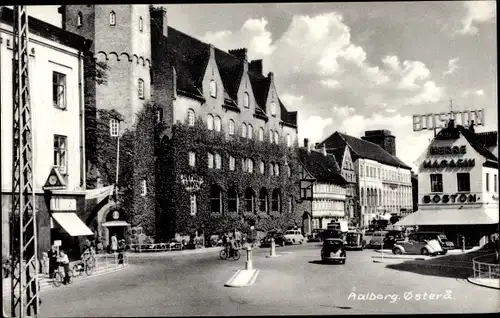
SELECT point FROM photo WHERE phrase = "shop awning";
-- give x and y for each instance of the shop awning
(115, 223)
(72, 224)
(99, 193)
(449, 217)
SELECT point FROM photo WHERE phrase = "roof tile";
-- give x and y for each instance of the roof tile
(323, 168)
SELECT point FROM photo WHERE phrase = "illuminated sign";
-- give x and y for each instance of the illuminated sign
(431, 121)
(448, 150)
(450, 198)
(460, 163)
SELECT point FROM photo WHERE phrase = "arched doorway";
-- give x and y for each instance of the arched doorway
(114, 224)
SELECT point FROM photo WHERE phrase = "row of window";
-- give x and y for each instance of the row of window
(494, 183)
(246, 96)
(374, 197)
(112, 20)
(215, 123)
(59, 95)
(233, 201)
(377, 173)
(463, 182)
(247, 165)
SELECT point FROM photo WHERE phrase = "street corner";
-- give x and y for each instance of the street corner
(493, 283)
(243, 278)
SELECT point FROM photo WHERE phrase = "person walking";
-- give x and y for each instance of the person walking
(64, 262)
(52, 254)
(114, 243)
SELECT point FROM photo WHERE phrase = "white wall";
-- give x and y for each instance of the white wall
(49, 56)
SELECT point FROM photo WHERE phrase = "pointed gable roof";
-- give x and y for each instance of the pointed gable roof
(231, 72)
(362, 149)
(323, 168)
(477, 142)
(338, 153)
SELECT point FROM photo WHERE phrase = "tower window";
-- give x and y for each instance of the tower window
(112, 18)
(79, 19)
(141, 88)
(141, 24)
(59, 90)
(273, 109)
(246, 100)
(213, 88)
(114, 127)
(144, 188)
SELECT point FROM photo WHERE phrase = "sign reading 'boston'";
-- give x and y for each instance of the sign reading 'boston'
(450, 198)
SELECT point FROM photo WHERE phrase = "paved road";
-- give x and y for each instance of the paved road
(295, 283)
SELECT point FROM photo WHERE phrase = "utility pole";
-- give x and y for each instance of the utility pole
(23, 235)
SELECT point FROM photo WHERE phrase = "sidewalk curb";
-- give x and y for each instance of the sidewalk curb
(470, 280)
(173, 253)
(402, 258)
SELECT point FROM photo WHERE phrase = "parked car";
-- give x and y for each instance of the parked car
(377, 238)
(294, 237)
(354, 240)
(316, 235)
(392, 237)
(417, 243)
(333, 250)
(446, 244)
(279, 239)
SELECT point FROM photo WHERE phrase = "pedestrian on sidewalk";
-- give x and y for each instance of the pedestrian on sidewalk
(64, 262)
(114, 244)
(52, 254)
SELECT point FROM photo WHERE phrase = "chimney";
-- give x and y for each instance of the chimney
(306, 143)
(471, 127)
(270, 75)
(62, 11)
(256, 66)
(159, 19)
(239, 53)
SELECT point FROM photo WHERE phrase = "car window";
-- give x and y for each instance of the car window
(289, 232)
(443, 237)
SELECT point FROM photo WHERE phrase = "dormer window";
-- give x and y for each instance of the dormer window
(112, 18)
(79, 19)
(273, 109)
(246, 100)
(141, 24)
(213, 88)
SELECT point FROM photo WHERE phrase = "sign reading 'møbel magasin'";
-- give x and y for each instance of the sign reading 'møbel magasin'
(436, 121)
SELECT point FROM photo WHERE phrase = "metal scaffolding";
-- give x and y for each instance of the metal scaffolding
(24, 274)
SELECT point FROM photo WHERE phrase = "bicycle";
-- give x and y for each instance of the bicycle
(227, 253)
(59, 276)
(87, 266)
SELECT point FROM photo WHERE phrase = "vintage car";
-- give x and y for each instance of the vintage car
(392, 237)
(446, 244)
(417, 244)
(279, 239)
(294, 237)
(377, 239)
(316, 235)
(354, 240)
(333, 250)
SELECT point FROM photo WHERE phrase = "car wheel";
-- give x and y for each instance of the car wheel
(293, 241)
(397, 251)
(343, 262)
(443, 252)
(424, 251)
(301, 242)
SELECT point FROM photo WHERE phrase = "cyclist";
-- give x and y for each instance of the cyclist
(232, 246)
(64, 262)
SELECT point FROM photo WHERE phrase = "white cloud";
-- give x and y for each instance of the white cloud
(429, 94)
(331, 83)
(477, 12)
(470, 91)
(312, 127)
(479, 92)
(413, 71)
(452, 66)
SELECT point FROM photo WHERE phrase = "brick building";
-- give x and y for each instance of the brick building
(228, 153)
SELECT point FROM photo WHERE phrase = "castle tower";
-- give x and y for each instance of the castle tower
(121, 37)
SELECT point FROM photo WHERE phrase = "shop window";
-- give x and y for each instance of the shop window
(463, 182)
(436, 182)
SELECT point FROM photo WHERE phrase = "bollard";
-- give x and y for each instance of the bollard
(463, 243)
(248, 264)
(273, 248)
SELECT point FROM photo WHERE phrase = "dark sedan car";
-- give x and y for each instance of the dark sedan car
(279, 239)
(392, 237)
(333, 250)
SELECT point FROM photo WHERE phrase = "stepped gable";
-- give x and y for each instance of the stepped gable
(190, 57)
(363, 149)
(323, 168)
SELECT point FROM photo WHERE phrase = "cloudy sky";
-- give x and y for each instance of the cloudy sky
(352, 67)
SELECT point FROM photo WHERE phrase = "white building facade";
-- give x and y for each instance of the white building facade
(56, 88)
(383, 189)
(457, 188)
(328, 204)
